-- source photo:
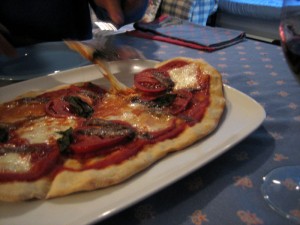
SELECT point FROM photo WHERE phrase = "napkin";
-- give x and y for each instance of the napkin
(182, 32)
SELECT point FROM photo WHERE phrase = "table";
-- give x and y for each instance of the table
(227, 190)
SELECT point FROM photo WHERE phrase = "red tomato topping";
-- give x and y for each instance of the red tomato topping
(101, 134)
(84, 143)
(173, 64)
(43, 159)
(181, 101)
(58, 108)
(204, 81)
(198, 107)
(151, 80)
(119, 156)
(68, 106)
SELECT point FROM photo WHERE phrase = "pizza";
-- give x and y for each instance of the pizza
(83, 137)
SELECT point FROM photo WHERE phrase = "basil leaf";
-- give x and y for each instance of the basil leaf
(65, 141)
(3, 135)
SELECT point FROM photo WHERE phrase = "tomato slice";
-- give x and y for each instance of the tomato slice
(68, 106)
(152, 81)
(181, 101)
(58, 108)
(44, 159)
(197, 110)
(84, 143)
(173, 64)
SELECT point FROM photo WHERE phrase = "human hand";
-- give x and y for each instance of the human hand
(117, 9)
(113, 7)
(6, 48)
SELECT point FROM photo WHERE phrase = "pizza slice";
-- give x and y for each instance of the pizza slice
(83, 137)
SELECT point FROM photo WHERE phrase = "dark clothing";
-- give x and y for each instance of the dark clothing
(32, 21)
(45, 20)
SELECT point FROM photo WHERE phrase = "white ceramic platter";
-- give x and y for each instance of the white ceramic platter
(89, 207)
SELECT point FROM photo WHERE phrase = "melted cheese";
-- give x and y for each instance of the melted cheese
(45, 129)
(117, 86)
(185, 77)
(14, 162)
(13, 111)
(137, 115)
(141, 119)
(88, 51)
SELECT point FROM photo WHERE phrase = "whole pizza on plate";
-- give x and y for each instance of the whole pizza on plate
(83, 137)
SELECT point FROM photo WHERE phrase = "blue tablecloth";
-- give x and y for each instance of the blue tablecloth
(227, 190)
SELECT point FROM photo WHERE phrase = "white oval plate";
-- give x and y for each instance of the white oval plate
(90, 207)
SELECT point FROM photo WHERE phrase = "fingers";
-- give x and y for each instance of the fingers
(113, 7)
(6, 48)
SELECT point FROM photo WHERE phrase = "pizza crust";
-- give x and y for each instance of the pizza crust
(19, 191)
(68, 182)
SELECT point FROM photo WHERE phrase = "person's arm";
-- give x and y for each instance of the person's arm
(5, 47)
